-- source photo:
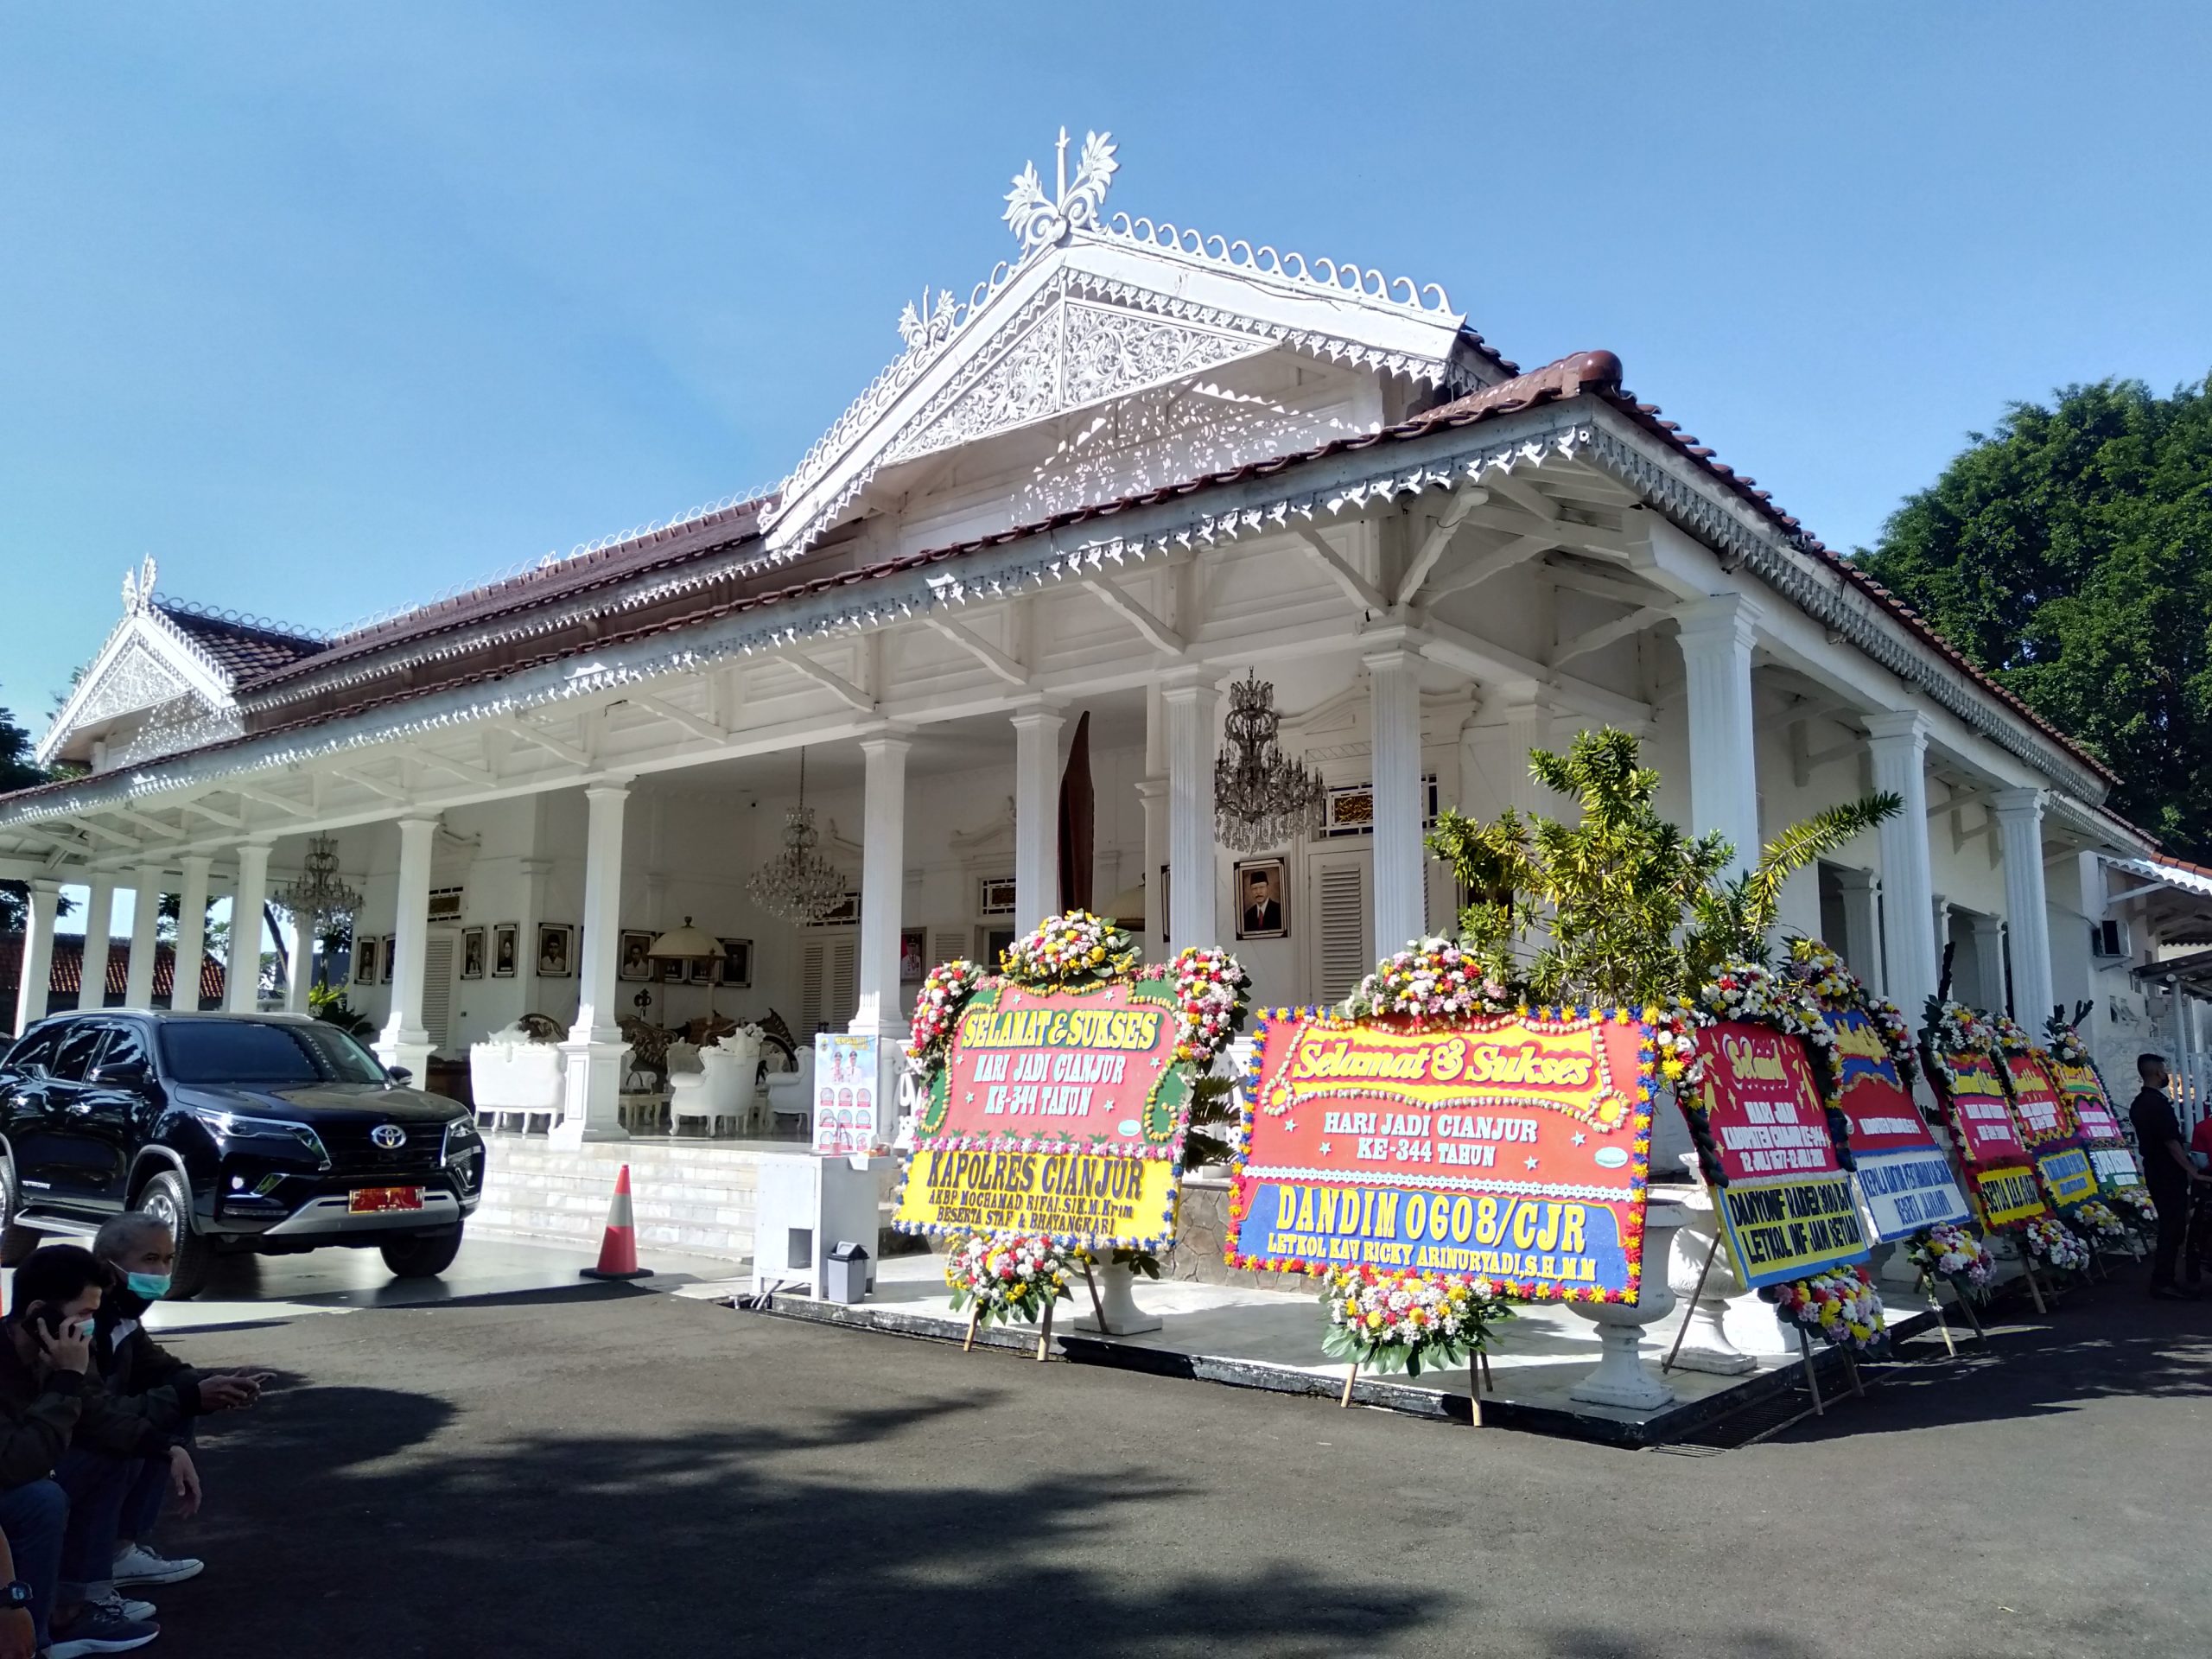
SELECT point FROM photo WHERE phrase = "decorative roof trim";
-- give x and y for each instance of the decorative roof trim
(144, 621)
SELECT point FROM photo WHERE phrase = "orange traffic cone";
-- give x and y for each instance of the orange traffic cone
(618, 1250)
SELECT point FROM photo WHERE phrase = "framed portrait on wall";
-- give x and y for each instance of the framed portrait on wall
(669, 970)
(913, 955)
(1263, 899)
(504, 936)
(994, 895)
(737, 962)
(388, 947)
(700, 972)
(471, 953)
(365, 958)
(634, 964)
(556, 950)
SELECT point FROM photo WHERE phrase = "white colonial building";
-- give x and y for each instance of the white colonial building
(1134, 464)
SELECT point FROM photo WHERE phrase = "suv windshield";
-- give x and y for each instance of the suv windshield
(251, 1051)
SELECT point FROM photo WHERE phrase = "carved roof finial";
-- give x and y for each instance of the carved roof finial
(1039, 220)
(138, 587)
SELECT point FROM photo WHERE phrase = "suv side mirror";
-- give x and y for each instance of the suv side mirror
(124, 1074)
(398, 1073)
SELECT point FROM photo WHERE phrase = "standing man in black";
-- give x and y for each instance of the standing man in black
(2167, 1171)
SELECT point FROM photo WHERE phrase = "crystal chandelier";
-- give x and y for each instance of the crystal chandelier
(1261, 798)
(798, 885)
(318, 894)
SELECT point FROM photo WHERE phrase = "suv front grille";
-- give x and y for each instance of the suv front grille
(353, 1154)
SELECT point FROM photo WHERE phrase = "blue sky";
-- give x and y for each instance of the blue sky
(329, 308)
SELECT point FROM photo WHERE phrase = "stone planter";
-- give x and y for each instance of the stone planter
(1622, 1378)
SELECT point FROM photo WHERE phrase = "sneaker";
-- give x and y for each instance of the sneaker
(116, 1604)
(144, 1564)
(95, 1631)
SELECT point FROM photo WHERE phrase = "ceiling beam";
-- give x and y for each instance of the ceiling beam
(830, 681)
(270, 799)
(375, 786)
(697, 724)
(1357, 588)
(201, 809)
(1440, 538)
(1526, 497)
(1156, 633)
(1602, 584)
(557, 747)
(1006, 667)
(1490, 561)
(483, 777)
(1606, 634)
(93, 827)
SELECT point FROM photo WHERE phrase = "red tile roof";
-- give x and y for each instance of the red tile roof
(67, 976)
(241, 648)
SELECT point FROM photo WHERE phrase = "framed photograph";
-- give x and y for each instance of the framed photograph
(1262, 891)
(556, 950)
(505, 937)
(388, 947)
(634, 964)
(700, 973)
(365, 958)
(471, 953)
(913, 955)
(669, 970)
(737, 962)
(995, 896)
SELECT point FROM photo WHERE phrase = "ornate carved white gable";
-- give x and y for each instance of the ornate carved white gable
(149, 692)
(1097, 314)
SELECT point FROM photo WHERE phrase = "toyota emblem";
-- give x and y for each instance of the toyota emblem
(389, 1136)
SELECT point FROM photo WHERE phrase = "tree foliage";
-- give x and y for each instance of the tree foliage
(17, 770)
(1631, 910)
(2069, 553)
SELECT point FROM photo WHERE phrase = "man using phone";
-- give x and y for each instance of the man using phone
(138, 1252)
(62, 1481)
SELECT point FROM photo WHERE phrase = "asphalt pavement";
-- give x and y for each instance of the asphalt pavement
(578, 1469)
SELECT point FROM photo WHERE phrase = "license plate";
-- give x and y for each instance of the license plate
(377, 1200)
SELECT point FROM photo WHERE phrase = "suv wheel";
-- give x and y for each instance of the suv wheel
(15, 1241)
(424, 1257)
(164, 1198)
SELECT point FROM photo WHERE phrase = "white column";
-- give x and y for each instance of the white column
(145, 915)
(1988, 962)
(100, 925)
(2027, 912)
(1394, 691)
(1861, 944)
(191, 933)
(534, 872)
(1151, 797)
(1716, 642)
(406, 1041)
(593, 1052)
(1192, 701)
(299, 949)
(1899, 747)
(44, 904)
(883, 894)
(242, 973)
(1036, 815)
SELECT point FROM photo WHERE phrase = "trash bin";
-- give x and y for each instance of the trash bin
(847, 1274)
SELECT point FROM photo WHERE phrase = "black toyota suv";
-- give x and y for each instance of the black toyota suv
(266, 1133)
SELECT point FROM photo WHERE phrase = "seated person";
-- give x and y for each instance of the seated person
(137, 1253)
(63, 1442)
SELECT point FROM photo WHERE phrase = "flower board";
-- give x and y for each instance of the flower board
(1512, 1148)
(2110, 1155)
(2048, 1126)
(1906, 1180)
(2000, 1170)
(1784, 1200)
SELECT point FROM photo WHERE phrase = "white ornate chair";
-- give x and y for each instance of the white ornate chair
(720, 1088)
(511, 1076)
(790, 1094)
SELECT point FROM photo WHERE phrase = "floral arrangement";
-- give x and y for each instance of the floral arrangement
(2012, 1037)
(1832, 984)
(2065, 1042)
(1432, 979)
(1210, 1002)
(1950, 1028)
(1745, 989)
(1070, 952)
(1949, 1251)
(945, 990)
(1897, 1035)
(2137, 1199)
(2102, 1221)
(1839, 1305)
(1009, 1276)
(1673, 1040)
(2052, 1242)
(1400, 1321)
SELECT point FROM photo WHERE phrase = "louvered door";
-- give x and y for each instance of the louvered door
(1343, 928)
(438, 988)
(829, 983)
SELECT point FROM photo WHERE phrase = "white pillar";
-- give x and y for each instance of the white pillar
(1988, 961)
(1192, 701)
(1394, 690)
(406, 1041)
(1899, 747)
(145, 915)
(2027, 912)
(299, 948)
(100, 925)
(1716, 642)
(1861, 944)
(883, 893)
(191, 933)
(1151, 797)
(44, 904)
(242, 973)
(1036, 815)
(534, 872)
(593, 1052)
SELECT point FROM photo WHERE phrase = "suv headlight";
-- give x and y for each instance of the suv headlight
(266, 1134)
(461, 1139)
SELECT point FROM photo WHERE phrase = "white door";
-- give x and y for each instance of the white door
(829, 984)
(1342, 948)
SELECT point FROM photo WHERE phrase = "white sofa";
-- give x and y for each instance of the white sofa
(510, 1076)
(790, 1094)
(722, 1087)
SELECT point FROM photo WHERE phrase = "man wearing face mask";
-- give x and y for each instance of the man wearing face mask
(64, 1440)
(137, 1253)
